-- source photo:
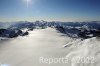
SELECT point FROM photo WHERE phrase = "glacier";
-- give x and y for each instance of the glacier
(51, 40)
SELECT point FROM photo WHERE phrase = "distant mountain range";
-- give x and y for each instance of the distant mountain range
(72, 29)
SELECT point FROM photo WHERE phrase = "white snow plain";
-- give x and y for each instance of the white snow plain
(48, 43)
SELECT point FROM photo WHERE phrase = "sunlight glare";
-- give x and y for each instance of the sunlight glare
(28, 2)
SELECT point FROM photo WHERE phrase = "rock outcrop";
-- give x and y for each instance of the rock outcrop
(12, 33)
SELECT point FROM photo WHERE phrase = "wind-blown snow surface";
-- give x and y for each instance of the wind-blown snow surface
(47, 43)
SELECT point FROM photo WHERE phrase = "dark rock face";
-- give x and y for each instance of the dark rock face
(24, 34)
(9, 33)
(84, 34)
(79, 32)
(89, 34)
(18, 32)
(2, 31)
(61, 29)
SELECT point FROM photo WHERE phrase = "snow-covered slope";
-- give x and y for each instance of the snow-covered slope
(48, 43)
(25, 51)
(71, 43)
(85, 53)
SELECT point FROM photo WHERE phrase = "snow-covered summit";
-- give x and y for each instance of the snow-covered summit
(71, 29)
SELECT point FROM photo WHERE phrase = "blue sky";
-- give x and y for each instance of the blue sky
(50, 10)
